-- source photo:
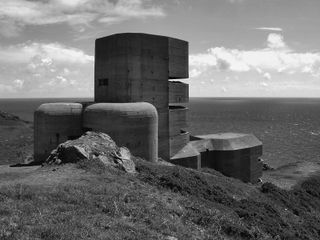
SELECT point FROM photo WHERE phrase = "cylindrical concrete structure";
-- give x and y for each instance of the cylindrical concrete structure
(55, 123)
(133, 125)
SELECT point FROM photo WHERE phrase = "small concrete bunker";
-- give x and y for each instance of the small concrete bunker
(235, 155)
(55, 123)
(133, 125)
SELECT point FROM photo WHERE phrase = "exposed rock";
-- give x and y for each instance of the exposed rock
(8, 116)
(93, 146)
(5, 116)
(266, 166)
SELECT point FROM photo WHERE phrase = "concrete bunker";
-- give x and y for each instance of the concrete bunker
(55, 123)
(133, 125)
(235, 155)
(131, 68)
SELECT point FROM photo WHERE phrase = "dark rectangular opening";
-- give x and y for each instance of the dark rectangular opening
(103, 82)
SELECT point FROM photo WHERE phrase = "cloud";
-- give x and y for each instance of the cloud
(275, 57)
(18, 83)
(16, 14)
(235, 1)
(45, 69)
(264, 84)
(267, 76)
(276, 41)
(273, 29)
(26, 52)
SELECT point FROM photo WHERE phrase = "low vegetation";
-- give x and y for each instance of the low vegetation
(89, 200)
(16, 139)
(158, 202)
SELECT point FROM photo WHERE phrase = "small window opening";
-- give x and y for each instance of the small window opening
(103, 82)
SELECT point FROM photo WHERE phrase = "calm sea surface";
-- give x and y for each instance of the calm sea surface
(288, 128)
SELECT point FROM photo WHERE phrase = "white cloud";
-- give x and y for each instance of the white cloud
(276, 41)
(267, 76)
(18, 83)
(16, 14)
(5, 89)
(224, 89)
(235, 1)
(48, 52)
(45, 69)
(264, 84)
(277, 57)
(273, 29)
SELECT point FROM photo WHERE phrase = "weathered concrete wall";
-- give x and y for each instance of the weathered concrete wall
(133, 67)
(133, 125)
(177, 142)
(55, 123)
(177, 119)
(188, 157)
(178, 92)
(235, 155)
(178, 58)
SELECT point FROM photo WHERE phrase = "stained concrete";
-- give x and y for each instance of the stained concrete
(178, 59)
(134, 67)
(177, 119)
(178, 142)
(178, 92)
(188, 156)
(133, 125)
(233, 154)
(55, 123)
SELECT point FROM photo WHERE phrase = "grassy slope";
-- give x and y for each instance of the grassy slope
(16, 139)
(87, 201)
(160, 202)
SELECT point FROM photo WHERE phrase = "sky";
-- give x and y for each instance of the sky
(238, 48)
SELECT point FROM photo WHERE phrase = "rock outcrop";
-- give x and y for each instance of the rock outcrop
(93, 146)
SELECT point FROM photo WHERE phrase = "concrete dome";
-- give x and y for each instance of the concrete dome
(55, 123)
(133, 125)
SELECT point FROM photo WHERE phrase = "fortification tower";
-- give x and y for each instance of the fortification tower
(136, 67)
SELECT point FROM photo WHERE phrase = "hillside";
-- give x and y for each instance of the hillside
(89, 200)
(16, 139)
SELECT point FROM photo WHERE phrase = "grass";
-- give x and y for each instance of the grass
(159, 202)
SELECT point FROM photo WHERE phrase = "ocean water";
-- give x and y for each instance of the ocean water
(288, 128)
(25, 107)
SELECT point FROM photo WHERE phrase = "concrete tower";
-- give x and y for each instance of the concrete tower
(135, 67)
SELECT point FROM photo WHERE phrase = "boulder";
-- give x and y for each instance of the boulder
(93, 146)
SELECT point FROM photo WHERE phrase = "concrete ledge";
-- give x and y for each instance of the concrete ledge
(187, 157)
(178, 92)
(232, 141)
(177, 119)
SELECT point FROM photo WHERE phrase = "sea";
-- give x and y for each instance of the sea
(289, 128)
